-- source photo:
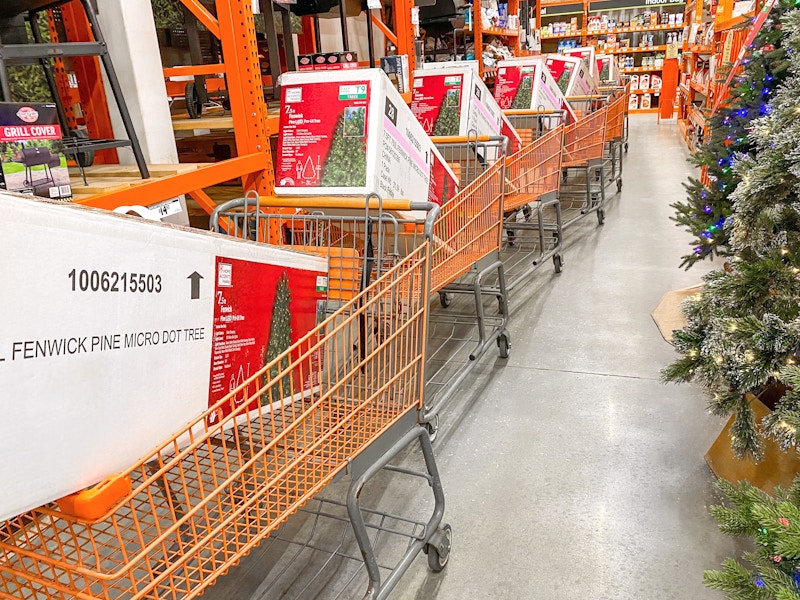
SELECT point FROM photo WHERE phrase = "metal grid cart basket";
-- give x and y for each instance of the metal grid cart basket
(533, 224)
(582, 189)
(532, 124)
(212, 492)
(615, 134)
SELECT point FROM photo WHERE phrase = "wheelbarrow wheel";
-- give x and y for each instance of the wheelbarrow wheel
(193, 105)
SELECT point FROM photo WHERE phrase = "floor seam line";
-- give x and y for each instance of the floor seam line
(583, 372)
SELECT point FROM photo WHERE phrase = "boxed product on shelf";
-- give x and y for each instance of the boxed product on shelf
(655, 82)
(644, 82)
(633, 102)
(149, 344)
(571, 74)
(634, 82)
(32, 157)
(607, 67)
(305, 62)
(588, 54)
(453, 101)
(396, 68)
(350, 133)
(527, 84)
(645, 101)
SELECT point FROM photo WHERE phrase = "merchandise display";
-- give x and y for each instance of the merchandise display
(351, 133)
(587, 54)
(454, 101)
(148, 303)
(528, 84)
(572, 75)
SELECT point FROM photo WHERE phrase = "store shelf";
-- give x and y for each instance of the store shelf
(696, 116)
(501, 31)
(732, 23)
(699, 50)
(647, 91)
(559, 36)
(642, 69)
(699, 88)
(684, 89)
(644, 110)
(635, 29)
(633, 50)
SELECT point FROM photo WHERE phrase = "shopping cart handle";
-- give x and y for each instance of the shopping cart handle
(462, 139)
(589, 97)
(348, 202)
(528, 111)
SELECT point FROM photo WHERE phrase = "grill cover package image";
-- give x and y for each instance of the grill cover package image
(526, 84)
(351, 133)
(31, 152)
(454, 101)
(125, 330)
(571, 75)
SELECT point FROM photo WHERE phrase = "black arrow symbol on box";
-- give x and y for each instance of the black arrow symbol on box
(195, 277)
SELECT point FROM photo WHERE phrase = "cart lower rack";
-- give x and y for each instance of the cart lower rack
(208, 495)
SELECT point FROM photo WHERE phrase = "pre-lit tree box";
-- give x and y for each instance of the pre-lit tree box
(526, 84)
(572, 74)
(607, 68)
(587, 54)
(351, 133)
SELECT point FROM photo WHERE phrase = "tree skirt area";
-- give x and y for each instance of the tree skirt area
(668, 315)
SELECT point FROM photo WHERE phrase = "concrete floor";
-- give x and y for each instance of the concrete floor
(570, 470)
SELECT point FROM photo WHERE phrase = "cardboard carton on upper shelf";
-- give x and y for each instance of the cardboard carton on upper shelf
(350, 132)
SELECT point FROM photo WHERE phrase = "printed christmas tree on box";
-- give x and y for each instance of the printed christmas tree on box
(351, 133)
(527, 84)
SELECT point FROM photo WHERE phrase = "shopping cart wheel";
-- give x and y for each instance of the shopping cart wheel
(503, 345)
(601, 216)
(193, 105)
(619, 185)
(557, 263)
(432, 427)
(445, 299)
(626, 146)
(439, 553)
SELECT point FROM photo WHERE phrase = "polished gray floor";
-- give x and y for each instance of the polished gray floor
(570, 470)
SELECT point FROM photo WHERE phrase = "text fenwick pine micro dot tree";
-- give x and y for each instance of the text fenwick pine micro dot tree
(743, 330)
(707, 207)
(280, 339)
(346, 163)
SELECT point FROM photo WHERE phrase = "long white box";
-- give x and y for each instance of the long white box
(351, 133)
(572, 75)
(527, 84)
(587, 53)
(117, 332)
(607, 68)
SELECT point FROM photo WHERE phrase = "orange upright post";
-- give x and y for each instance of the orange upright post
(669, 87)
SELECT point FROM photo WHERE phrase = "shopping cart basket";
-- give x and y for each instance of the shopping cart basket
(582, 189)
(533, 224)
(587, 104)
(531, 124)
(212, 492)
(469, 156)
(614, 135)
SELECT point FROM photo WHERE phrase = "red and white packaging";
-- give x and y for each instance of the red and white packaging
(607, 67)
(350, 132)
(514, 141)
(572, 75)
(454, 101)
(587, 53)
(514, 79)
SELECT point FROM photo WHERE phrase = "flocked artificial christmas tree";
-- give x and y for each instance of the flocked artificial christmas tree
(346, 163)
(772, 570)
(523, 97)
(280, 339)
(449, 118)
(744, 328)
(706, 207)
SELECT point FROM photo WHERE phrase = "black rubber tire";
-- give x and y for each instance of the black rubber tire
(84, 159)
(436, 561)
(503, 346)
(601, 216)
(619, 185)
(557, 263)
(444, 299)
(432, 427)
(626, 146)
(193, 105)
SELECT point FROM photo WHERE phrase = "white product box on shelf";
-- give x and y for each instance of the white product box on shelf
(123, 331)
(527, 84)
(454, 101)
(351, 133)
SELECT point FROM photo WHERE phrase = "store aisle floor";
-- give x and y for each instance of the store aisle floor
(570, 470)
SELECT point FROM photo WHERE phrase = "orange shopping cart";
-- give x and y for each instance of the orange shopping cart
(534, 231)
(211, 493)
(582, 189)
(531, 124)
(615, 134)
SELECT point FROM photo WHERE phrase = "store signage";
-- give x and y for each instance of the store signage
(563, 9)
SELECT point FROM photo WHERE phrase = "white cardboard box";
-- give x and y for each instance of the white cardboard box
(587, 53)
(454, 101)
(572, 75)
(607, 67)
(118, 332)
(351, 133)
(515, 78)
